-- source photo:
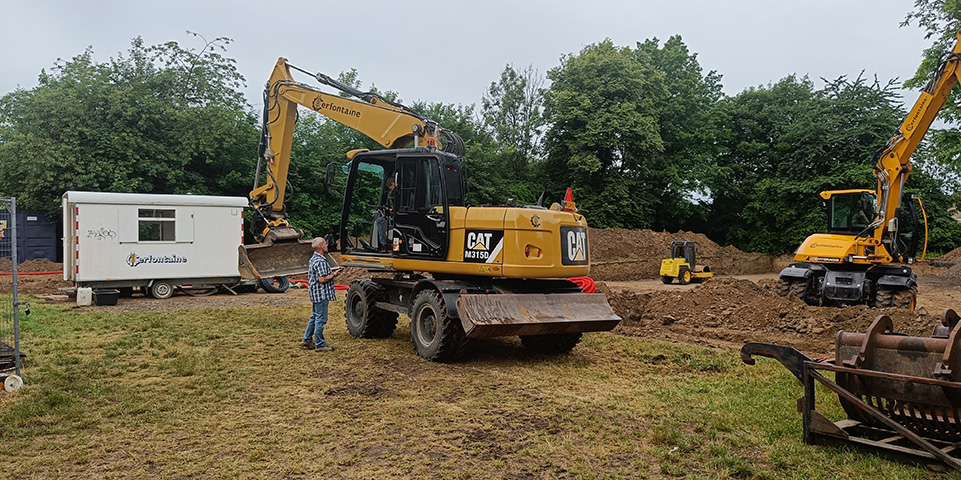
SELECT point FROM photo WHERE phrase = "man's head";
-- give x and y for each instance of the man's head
(391, 183)
(319, 245)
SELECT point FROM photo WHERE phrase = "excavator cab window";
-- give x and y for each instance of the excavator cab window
(851, 213)
(421, 218)
(367, 200)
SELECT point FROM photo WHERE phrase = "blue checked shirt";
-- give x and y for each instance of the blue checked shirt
(319, 291)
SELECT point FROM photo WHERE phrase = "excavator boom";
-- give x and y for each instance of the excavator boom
(280, 249)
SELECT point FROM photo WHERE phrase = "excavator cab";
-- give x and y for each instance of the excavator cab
(850, 212)
(412, 218)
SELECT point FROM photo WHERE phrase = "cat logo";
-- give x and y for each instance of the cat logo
(574, 246)
(483, 246)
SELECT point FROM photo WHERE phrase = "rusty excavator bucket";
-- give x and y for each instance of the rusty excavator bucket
(902, 394)
(276, 256)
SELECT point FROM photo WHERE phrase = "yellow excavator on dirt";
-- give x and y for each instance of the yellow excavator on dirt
(873, 235)
(457, 271)
(901, 394)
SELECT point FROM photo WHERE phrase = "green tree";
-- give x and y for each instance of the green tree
(941, 21)
(787, 142)
(512, 109)
(163, 119)
(688, 126)
(603, 140)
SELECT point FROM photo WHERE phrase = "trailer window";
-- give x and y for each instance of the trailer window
(157, 225)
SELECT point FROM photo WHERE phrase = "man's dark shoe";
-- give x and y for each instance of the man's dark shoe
(307, 345)
(325, 348)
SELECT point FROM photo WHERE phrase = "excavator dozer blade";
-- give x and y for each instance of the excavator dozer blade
(274, 260)
(498, 315)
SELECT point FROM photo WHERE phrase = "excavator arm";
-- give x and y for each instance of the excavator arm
(280, 249)
(893, 161)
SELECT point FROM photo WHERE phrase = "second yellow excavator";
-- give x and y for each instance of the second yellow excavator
(874, 235)
(457, 271)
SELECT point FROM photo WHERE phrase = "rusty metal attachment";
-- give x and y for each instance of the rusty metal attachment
(534, 314)
(268, 260)
(902, 394)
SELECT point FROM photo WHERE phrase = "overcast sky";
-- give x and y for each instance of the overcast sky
(451, 51)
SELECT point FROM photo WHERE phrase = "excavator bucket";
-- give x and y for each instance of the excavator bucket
(268, 260)
(534, 314)
(902, 394)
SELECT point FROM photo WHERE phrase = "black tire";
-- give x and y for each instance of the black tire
(784, 288)
(897, 298)
(436, 337)
(125, 292)
(161, 289)
(793, 288)
(551, 344)
(684, 276)
(364, 319)
(274, 285)
(666, 280)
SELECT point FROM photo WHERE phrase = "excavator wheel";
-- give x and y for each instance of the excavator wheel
(684, 276)
(897, 298)
(551, 344)
(793, 288)
(364, 319)
(436, 336)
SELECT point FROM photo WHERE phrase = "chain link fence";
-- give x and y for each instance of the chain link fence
(10, 356)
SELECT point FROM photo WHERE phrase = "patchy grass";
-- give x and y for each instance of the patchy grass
(230, 394)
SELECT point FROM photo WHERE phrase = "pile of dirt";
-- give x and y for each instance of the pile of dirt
(623, 255)
(37, 265)
(951, 275)
(729, 312)
(952, 256)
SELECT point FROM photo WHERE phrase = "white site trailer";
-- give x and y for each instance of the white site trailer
(155, 242)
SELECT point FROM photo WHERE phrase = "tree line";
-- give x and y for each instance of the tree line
(643, 136)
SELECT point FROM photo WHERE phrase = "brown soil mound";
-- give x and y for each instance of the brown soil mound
(952, 256)
(623, 255)
(951, 275)
(38, 265)
(730, 312)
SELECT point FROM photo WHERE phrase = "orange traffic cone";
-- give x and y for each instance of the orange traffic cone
(569, 205)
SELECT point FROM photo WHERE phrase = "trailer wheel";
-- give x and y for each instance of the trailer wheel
(274, 285)
(436, 336)
(551, 344)
(364, 319)
(161, 289)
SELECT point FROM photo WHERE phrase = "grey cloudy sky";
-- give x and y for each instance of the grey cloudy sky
(451, 51)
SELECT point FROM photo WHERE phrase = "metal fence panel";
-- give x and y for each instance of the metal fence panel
(9, 301)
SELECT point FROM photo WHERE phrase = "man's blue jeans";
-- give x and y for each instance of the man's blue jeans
(315, 327)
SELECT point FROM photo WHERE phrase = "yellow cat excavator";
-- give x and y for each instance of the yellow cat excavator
(457, 271)
(873, 235)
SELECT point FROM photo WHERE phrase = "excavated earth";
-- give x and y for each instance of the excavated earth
(739, 305)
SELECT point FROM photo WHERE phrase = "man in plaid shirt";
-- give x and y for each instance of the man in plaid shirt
(320, 287)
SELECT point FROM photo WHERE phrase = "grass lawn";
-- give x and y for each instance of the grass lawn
(230, 394)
